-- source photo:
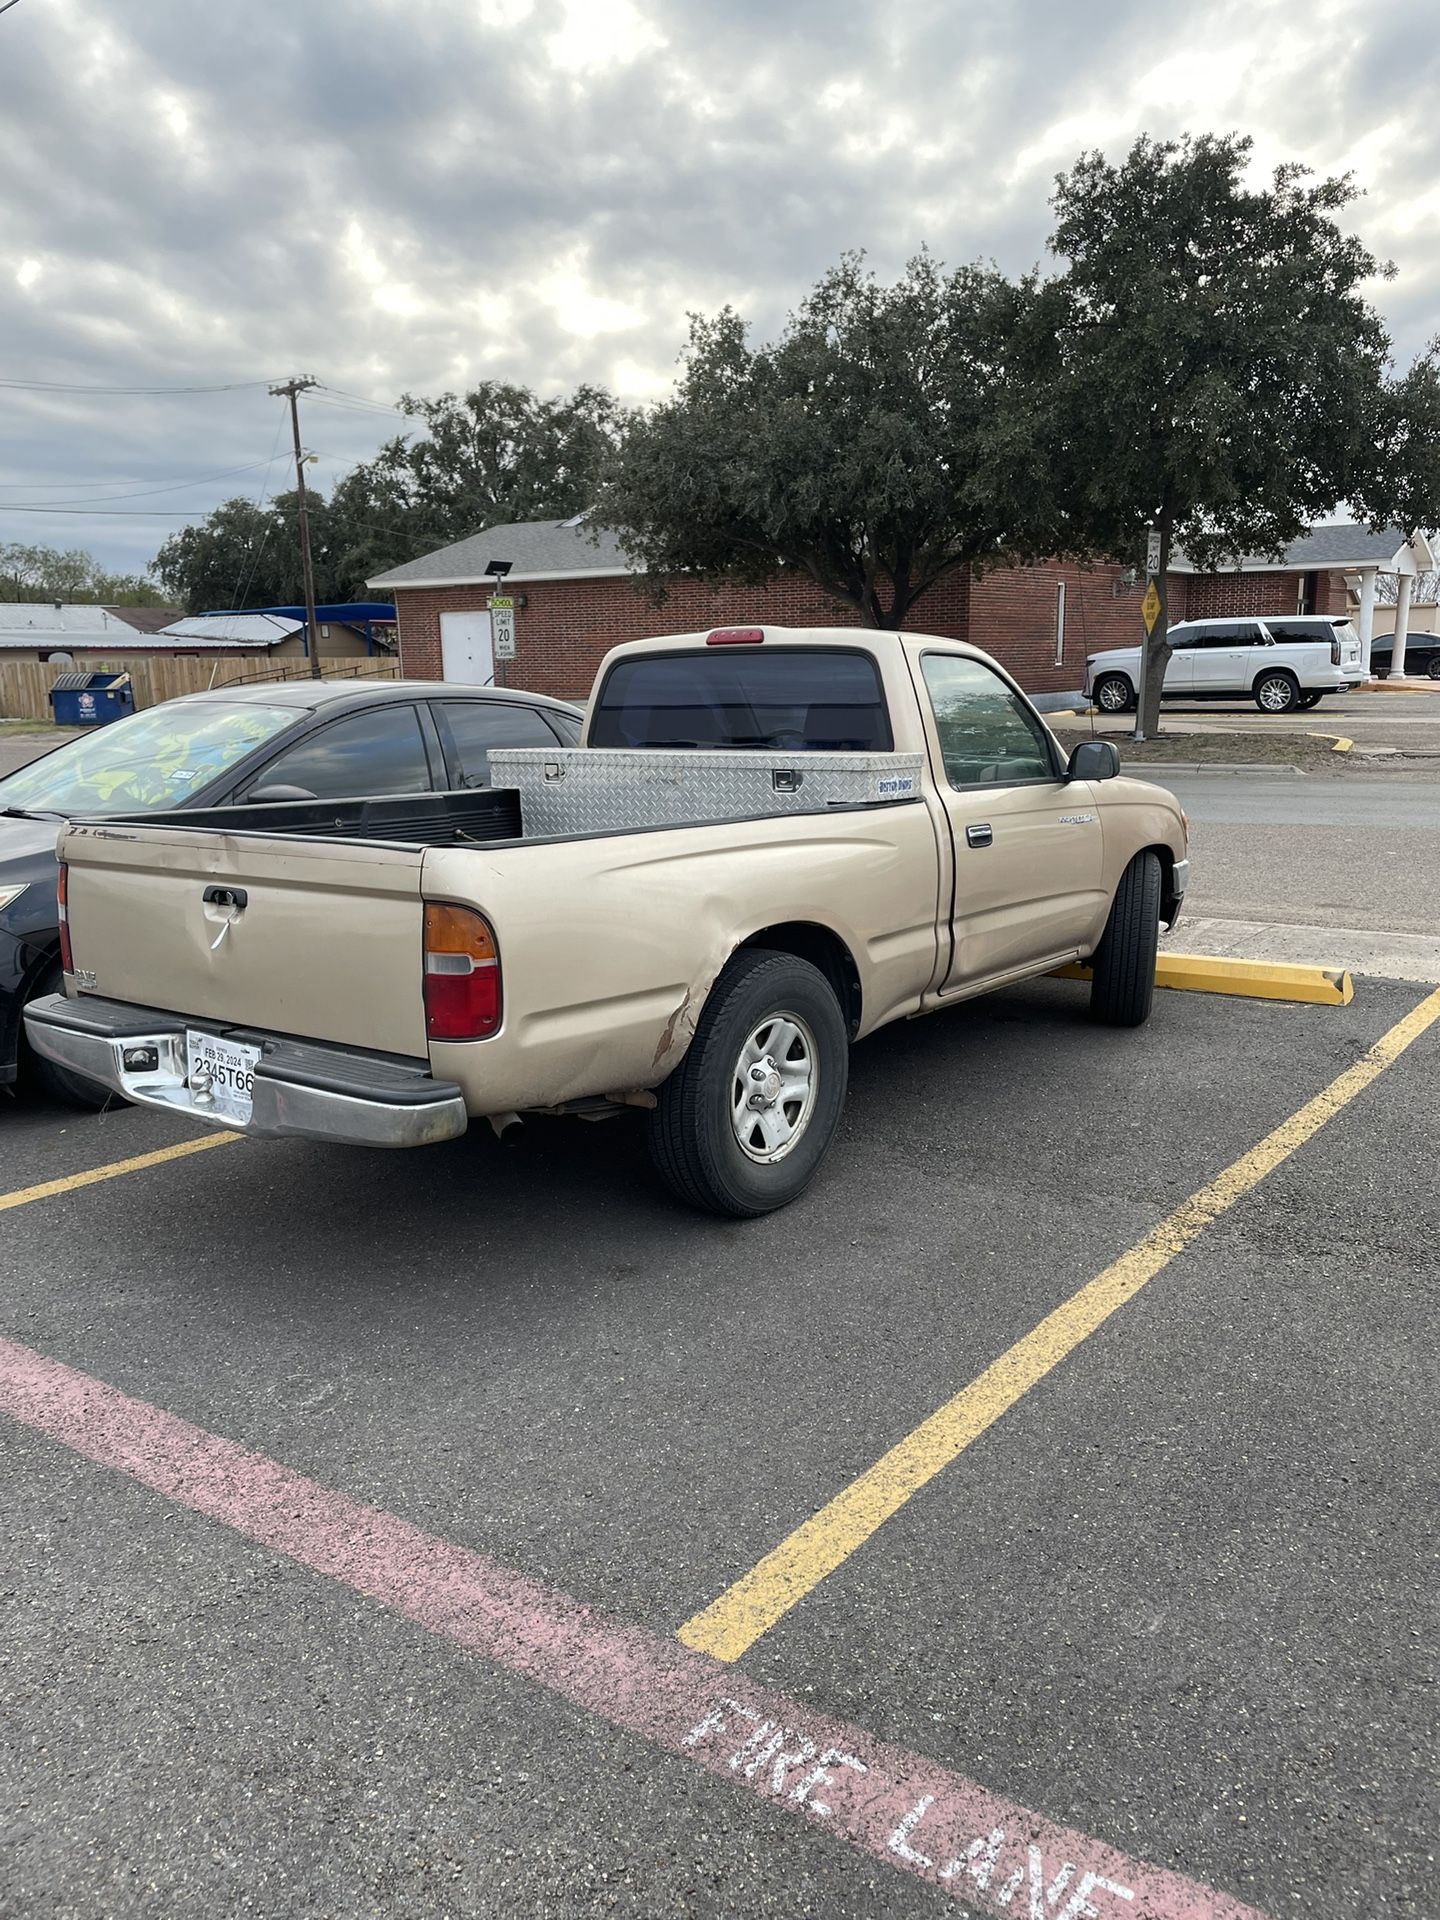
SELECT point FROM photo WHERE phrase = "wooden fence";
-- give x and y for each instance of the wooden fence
(25, 684)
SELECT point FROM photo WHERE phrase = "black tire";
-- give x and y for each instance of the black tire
(1432, 666)
(1309, 701)
(1277, 691)
(693, 1138)
(55, 1082)
(1114, 694)
(1123, 966)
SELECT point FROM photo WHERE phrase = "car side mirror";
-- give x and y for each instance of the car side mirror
(1094, 760)
(279, 791)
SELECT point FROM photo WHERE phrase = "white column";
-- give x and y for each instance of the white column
(1402, 626)
(1367, 616)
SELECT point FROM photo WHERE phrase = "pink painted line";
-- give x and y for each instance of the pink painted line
(919, 1817)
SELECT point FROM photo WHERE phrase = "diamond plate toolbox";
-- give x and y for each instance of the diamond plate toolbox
(596, 789)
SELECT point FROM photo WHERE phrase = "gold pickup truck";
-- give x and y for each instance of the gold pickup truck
(769, 843)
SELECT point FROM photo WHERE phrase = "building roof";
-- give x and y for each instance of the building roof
(230, 630)
(42, 624)
(1342, 545)
(145, 619)
(536, 549)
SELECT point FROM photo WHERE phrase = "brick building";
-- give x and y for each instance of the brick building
(576, 595)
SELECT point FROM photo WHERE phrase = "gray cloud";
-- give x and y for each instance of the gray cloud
(407, 196)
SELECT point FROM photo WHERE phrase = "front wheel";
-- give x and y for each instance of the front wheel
(742, 1124)
(1432, 666)
(1114, 693)
(1277, 692)
(1122, 982)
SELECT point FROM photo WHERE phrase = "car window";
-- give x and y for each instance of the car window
(151, 760)
(988, 736)
(1232, 633)
(800, 698)
(472, 727)
(567, 725)
(1181, 637)
(1289, 631)
(379, 751)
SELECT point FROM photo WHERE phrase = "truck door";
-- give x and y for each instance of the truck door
(1029, 882)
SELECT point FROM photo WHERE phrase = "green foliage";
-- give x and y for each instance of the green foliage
(1217, 372)
(878, 445)
(29, 573)
(497, 454)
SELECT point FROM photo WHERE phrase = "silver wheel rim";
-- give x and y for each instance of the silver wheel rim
(772, 1090)
(1112, 697)
(1275, 695)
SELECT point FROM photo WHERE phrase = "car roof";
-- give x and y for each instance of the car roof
(1229, 619)
(312, 695)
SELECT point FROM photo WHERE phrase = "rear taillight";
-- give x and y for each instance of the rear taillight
(462, 975)
(1334, 649)
(67, 960)
(736, 637)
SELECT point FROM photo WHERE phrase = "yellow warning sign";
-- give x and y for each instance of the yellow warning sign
(1150, 607)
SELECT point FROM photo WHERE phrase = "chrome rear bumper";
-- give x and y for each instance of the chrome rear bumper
(301, 1088)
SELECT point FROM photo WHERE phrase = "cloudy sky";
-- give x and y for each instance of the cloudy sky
(411, 194)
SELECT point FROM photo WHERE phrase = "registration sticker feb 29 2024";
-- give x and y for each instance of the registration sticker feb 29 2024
(221, 1075)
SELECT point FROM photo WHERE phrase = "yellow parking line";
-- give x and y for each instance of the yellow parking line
(47, 1189)
(733, 1622)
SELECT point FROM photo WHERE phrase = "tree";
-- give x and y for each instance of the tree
(29, 573)
(879, 445)
(235, 557)
(1217, 373)
(496, 454)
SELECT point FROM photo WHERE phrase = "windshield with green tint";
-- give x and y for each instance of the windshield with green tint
(145, 763)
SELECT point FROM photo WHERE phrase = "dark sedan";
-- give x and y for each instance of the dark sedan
(311, 740)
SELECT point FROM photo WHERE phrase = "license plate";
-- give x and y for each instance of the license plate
(221, 1075)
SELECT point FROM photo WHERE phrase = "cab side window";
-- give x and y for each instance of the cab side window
(988, 737)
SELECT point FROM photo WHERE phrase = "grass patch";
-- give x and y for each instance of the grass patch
(1268, 749)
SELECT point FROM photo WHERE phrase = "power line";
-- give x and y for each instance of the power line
(145, 493)
(148, 393)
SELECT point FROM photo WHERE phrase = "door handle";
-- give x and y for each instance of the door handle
(981, 834)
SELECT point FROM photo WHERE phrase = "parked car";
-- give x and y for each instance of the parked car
(292, 741)
(771, 843)
(1422, 655)
(1286, 664)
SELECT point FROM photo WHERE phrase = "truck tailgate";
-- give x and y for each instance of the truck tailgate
(327, 944)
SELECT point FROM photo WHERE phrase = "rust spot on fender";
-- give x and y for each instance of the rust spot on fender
(671, 1029)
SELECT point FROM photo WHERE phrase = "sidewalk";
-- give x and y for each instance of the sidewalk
(1359, 950)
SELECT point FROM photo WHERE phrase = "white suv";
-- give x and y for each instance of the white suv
(1285, 663)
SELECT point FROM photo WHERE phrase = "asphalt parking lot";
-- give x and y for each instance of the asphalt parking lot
(1168, 1610)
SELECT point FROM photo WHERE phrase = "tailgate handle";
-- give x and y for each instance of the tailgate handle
(225, 897)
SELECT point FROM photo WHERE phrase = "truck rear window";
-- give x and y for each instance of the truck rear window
(802, 699)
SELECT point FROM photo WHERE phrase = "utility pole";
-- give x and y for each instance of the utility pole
(289, 390)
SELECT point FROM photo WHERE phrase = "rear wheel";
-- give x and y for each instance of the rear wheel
(49, 1078)
(1123, 968)
(1432, 666)
(1114, 693)
(1277, 691)
(744, 1121)
(1309, 700)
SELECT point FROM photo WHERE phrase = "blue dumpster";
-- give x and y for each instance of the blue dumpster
(91, 699)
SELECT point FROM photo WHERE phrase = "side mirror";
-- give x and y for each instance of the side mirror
(279, 791)
(1094, 760)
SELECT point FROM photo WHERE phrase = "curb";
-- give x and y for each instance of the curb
(1244, 979)
(1343, 744)
(1142, 769)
